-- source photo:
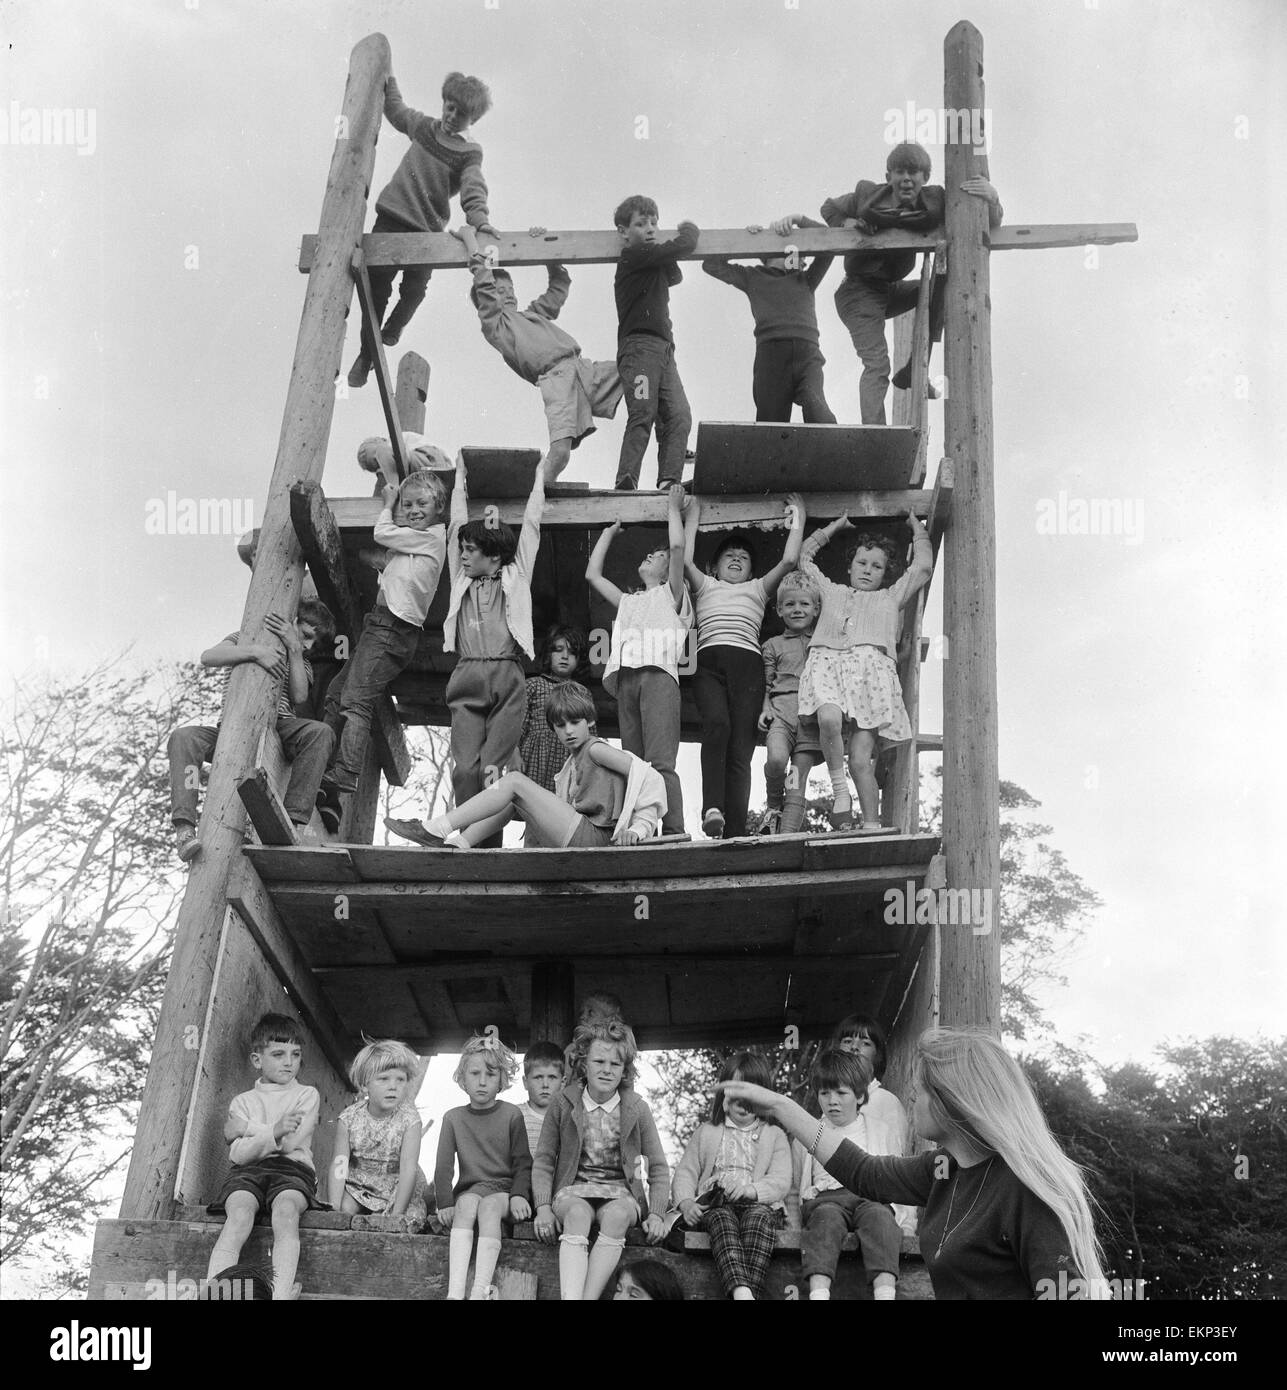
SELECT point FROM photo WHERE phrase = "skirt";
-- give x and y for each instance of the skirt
(863, 682)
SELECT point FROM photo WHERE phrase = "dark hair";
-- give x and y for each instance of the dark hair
(502, 278)
(244, 1283)
(832, 1068)
(275, 1028)
(600, 1005)
(497, 542)
(873, 540)
(862, 1026)
(634, 204)
(313, 610)
(538, 1052)
(578, 644)
(735, 540)
(568, 701)
(909, 155)
(471, 94)
(655, 1279)
(741, 1066)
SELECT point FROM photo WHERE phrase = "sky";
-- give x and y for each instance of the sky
(151, 304)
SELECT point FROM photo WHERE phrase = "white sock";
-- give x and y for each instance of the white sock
(883, 1293)
(742, 1294)
(457, 838)
(458, 1252)
(439, 826)
(604, 1258)
(819, 1295)
(574, 1260)
(488, 1253)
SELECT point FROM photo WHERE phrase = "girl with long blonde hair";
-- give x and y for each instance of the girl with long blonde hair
(1007, 1214)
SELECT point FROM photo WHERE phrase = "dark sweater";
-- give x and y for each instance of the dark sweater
(491, 1148)
(436, 169)
(1002, 1239)
(642, 285)
(924, 215)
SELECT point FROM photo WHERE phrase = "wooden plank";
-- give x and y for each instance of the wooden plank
(1046, 236)
(356, 516)
(440, 250)
(274, 588)
(266, 812)
(383, 377)
(553, 1010)
(323, 549)
(971, 965)
(940, 508)
(246, 893)
(242, 991)
(316, 862)
(780, 458)
(500, 474)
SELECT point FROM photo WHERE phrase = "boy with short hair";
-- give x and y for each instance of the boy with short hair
(646, 345)
(542, 1078)
(270, 1136)
(574, 390)
(874, 289)
(788, 359)
(391, 631)
(489, 627)
(306, 742)
(442, 163)
(839, 1081)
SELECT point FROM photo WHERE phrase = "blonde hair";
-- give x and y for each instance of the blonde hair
(424, 483)
(976, 1090)
(382, 1054)
(494, 1052)
(797, 582)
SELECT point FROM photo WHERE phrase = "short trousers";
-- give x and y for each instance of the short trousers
(267, 1178)
(574, 392)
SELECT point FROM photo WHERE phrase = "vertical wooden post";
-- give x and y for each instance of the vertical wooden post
(274, 588)
(970, 983)
(358, 826)
(553, 1016)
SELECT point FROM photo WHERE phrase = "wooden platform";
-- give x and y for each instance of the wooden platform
(714, 941)
(338, 1263)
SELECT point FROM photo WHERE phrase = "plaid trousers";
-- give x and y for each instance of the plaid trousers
(742, 1242)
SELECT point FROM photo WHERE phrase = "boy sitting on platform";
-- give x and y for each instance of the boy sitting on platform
(788, 360)
(442, 163)
(874, 289)
(533, 345)
(270, 1135)
(646, 344)
(542, 1079)
(307, 742)
(416, 540)
(489, 627)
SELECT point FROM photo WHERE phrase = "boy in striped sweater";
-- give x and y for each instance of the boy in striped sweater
(729, 684)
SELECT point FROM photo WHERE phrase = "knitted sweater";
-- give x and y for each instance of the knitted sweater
(260, 1109)
(771, 1175)
(643, 280)
(490, 1147)
(436, 169)
(1001, 1239)
(781, 300)
(528, 339)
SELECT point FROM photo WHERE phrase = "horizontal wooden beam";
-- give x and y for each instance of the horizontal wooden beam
(440, 250)
(592, 509)
(319, 539)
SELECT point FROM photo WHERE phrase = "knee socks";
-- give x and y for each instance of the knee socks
(604, 1258)
(793, 813)
(774, 785)
(485, 1265)
(458, 1251)
(573, 1263)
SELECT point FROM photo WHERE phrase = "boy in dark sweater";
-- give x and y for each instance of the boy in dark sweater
(646, 345)
(788, 360)
(442, 163)
(874, 289)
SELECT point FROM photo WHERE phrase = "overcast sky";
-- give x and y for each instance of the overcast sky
(151, 305)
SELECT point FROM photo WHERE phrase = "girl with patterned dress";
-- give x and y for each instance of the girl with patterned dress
(376, 1172)
(851, 671)
(732, 1179)
(562, 655)
(597, 1142)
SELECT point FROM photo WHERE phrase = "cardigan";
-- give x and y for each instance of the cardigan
(771, 1174)
(558, 1155)
(516, 577)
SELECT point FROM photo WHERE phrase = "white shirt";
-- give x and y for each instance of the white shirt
(648, 631)
(410, 579)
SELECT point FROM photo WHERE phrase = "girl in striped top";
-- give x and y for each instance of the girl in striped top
(729, 684)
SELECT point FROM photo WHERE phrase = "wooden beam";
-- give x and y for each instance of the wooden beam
(970, 977)
(320, 542)
(246, 892)
(251, 695)
(267, 814)
(383, 379)
(553, 1004)
(596, 509)
(440, 250)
